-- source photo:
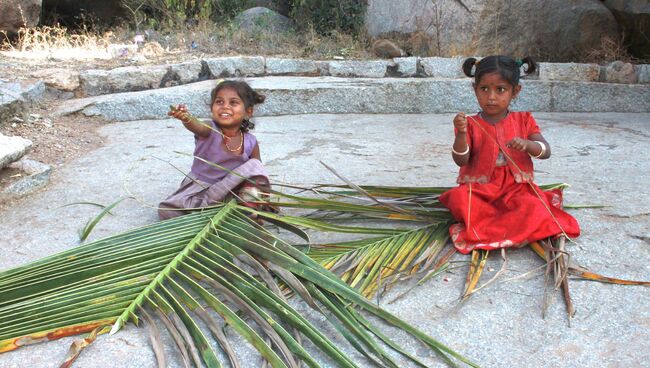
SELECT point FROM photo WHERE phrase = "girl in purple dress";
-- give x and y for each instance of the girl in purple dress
(225, 141)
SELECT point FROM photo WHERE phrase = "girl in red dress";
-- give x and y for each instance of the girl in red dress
(496, 203)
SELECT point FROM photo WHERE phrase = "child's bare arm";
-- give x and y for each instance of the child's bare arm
(256, 152)
(192, 124)
(535, 146)
(460, 149)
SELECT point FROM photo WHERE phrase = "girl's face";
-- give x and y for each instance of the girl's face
(228, 109)
(494, 95)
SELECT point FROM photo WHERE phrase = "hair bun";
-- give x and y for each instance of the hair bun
(259, 98)
(531, 65)
(468, 64)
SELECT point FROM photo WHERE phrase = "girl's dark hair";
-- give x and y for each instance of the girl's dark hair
(507, 67)
(245, 92)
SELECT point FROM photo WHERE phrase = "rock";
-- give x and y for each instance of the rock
(58, 78)
(569, 72)
(37, 175)
(336, 95)
(643, 73)
(277, 66)
(281, 6)
(386, 49)
(356, 68)
(129, 78)
(12, 149)
(188, 72)
(634, 19)
(406, 66)
(555, 29)
(15, 14)
(263, 19)
(241, 66)
(439, 67)
(15, 98)
(620, 72)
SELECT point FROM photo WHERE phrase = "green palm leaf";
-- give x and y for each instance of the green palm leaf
(187, 269)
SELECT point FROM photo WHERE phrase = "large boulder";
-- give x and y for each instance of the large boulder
(557, 30)
(19, 13)
(262, 19)
(634, 18)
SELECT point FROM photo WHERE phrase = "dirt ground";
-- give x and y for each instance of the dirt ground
(57, 140)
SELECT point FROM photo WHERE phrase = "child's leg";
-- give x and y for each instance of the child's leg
(187, 196)
(220, 190)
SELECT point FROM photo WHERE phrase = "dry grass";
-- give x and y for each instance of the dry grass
(204, 39)
(57, 42)
(609, 50)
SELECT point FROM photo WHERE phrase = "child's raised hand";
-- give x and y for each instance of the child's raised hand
(460, 122)
(179, 112)
(518, 143)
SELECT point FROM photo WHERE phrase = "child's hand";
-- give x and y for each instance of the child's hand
(460, 122)
(180, 112)
(519, 144)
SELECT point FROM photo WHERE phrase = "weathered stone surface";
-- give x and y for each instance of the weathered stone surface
(439, 67)
(555, 29)
(569, 72)
(259, 18)
(242, 66)
(313, 95)
(323, 67)
(643, 73)
(600, 97)
(183, 73)
(407, 66)
(12, 149)
(620, 72)
(356, 68)
(59, 78)
(595, 152)
(129, 78)
(37, 175)
(15, 14)
(278, 66)
(15, 98)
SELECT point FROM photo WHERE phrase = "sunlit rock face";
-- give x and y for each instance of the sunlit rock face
(555, 30)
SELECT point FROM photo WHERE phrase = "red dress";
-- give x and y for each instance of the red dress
(497, 204)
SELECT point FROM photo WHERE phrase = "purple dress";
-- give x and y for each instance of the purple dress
(206, 185)
(210, 149)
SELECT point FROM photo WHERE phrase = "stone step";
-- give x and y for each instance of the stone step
(133, 78)
(332, 95)
(12, 149)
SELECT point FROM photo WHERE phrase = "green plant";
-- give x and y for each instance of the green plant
(327, 15)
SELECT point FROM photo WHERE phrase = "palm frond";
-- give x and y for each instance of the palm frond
(187, 271)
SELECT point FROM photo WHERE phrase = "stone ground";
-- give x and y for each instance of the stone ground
(599, 154)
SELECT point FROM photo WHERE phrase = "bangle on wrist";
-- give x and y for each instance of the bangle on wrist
(542, 152)
(460, 153)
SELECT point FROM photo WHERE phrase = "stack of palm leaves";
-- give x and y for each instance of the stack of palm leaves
(209, 265)
(218, 267)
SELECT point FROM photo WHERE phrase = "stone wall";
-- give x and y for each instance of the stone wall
(145, 77)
